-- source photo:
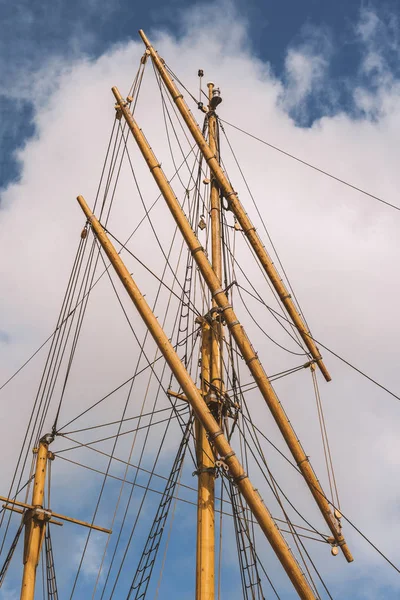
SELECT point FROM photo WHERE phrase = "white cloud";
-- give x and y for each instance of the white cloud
(306, 69)
(340, 249)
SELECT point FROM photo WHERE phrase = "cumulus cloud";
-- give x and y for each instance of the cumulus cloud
(340, 249)
(306, 69)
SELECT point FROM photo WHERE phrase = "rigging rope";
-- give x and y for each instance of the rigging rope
(346, 362)
(263, 223)
(144, 569)
(120, 434)
(273, 484)
(148, 366)
(332, 505)
(95, 283)
(65, 433)
(251, 580)
(52, 591)
(325, 441)
(307, 164)
(141, 345)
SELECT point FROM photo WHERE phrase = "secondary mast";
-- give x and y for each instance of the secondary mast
(35, 522)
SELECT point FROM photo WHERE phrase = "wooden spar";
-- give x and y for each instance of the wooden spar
(237, 208)
(35, 526)
(237, 330)
(52, 514)
(205, 549)
(203, 413)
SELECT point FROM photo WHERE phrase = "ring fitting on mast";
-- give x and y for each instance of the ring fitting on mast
(233, 324)
(255, 357)
(218, 291)
(229, 455)
(213, 436)
(240, 478)
(226, 307)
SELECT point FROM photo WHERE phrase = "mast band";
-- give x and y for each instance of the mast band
(210, 470)
(229, 455)
(240, 478)
(198, 249)
(226, 307)
(218, 291)
(230, 325)
(255, 357)
(157, 166)
(212, 436)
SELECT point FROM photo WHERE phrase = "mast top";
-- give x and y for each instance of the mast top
(144, 38)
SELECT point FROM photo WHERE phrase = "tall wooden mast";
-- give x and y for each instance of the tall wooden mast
(235, 205)
(237, 330)
(203, 413)
(211, 377)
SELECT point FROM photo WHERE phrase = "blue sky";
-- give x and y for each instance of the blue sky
(34, 32)
(331, 93)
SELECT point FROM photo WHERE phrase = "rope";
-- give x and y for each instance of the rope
(118, 574)
(273, 485)
(160, 410)
(273, 313)
(333, 506)
(346, 362)
(325, 441)
(120, 434)
(141, 346)
(95, 283)
(262, 222)
(307, 164)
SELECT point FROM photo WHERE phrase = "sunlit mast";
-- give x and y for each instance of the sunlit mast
(233, 323)
(206, 402)
(212, 387)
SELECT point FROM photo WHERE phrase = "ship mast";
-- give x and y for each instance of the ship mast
(218, 294)
(192, 393)
(208, 403)
(212, 388)
(35, 523)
